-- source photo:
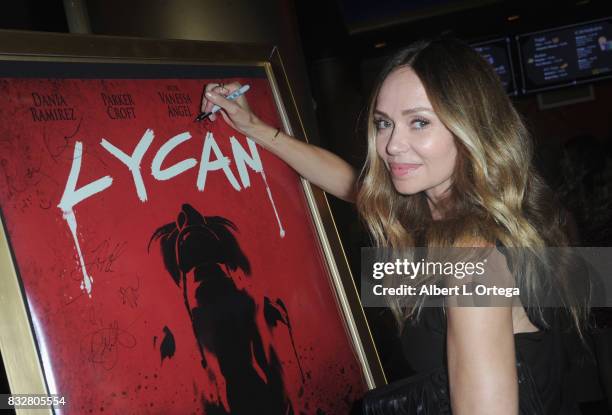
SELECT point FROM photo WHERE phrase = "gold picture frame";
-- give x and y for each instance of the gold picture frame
(21, 351)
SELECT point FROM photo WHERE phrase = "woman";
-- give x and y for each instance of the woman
(448, 164)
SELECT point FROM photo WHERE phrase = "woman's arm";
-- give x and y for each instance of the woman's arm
(317, 165)
(481, 361)
(480, 346)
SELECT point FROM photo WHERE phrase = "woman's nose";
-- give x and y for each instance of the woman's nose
(398, 142)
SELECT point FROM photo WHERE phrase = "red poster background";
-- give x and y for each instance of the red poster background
(102, 352)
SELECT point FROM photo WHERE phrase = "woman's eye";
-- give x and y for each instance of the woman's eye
(381, 124)
(419, 124)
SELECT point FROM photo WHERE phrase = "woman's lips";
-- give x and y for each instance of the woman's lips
(403, 169)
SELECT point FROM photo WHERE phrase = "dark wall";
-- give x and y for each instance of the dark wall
(263, 21)
(44, 15)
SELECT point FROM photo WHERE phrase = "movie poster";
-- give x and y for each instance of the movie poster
(169, 266)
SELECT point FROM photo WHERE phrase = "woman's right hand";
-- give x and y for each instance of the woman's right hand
(236, 113)
(313, 163)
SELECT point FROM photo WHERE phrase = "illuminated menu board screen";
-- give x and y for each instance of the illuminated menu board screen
(497, 53)
(566, 56)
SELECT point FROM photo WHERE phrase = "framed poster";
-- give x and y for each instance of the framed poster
(152, 264)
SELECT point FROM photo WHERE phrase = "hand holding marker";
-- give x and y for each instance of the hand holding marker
(239, 92)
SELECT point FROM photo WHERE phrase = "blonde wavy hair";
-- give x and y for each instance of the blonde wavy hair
(495, 195)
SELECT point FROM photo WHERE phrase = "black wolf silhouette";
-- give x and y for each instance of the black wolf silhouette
(224, 317)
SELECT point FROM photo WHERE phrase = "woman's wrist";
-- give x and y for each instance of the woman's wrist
(263, 133)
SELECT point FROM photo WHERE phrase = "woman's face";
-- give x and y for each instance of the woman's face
(418, 150)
